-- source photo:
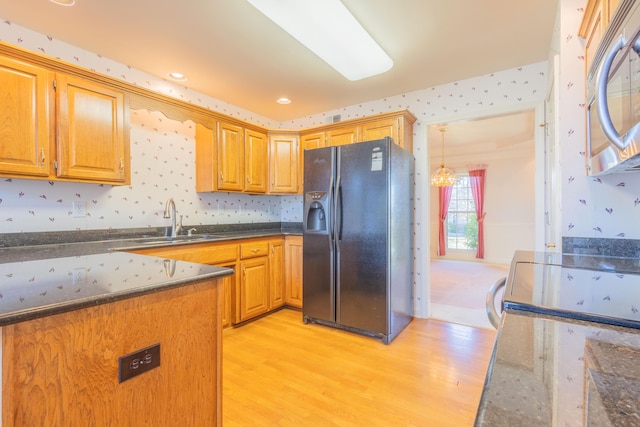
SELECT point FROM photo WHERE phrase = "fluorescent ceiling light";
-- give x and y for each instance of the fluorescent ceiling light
(330, 31)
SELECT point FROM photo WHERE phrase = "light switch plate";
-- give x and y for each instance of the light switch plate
(79, 209)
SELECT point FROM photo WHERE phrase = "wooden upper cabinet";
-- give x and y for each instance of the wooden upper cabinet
(284, 164)
(396, 124)
(206, 176)
(312, 140)
(400, 129)
(93, 131)
(380, 129)
(25, 124)
(90, 121)
(596, 19)
(256, 168)
(230, 157)
(592, 29)
(342, 136)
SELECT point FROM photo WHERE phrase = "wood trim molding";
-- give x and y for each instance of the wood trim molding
(360, 120)
(140, 98)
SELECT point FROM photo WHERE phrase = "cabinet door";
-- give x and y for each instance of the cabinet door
(205, 159)
(92, 131)
(380, 129)
(256, 165)
(230, 157)
(276, 267)
(24, 119)
(313, 140)
(342, 136)
(254, 287)
(284, 163)
(293, 271)
(398, 128)
(228, 286)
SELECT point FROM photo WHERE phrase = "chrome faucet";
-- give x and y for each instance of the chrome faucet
(170, 212)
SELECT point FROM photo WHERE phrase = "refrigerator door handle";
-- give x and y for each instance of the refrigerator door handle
(331, 217)
(337, 214)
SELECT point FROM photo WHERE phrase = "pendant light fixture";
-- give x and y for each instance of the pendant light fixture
(443, 176)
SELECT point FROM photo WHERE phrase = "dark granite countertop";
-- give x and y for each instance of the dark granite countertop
(42, 274)
(548, 370)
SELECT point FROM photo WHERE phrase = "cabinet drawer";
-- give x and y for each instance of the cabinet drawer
(205, 253)
(254, 249)
(221, 253)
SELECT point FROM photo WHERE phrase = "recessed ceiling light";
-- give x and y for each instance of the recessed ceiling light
(284, 100)
(351, 51)
(64, 2)
(177, 77)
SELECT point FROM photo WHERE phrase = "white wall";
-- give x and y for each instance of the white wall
(509, 201)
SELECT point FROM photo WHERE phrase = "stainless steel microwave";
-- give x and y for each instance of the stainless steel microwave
(613, 96)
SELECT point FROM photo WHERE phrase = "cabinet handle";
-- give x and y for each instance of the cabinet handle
(221, 177)
(254, 250)
(121, 165)
(43, 158)
(248, 180)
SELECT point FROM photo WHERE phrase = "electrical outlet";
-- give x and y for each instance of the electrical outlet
(79, 276)
(79, 209)
(139, 362)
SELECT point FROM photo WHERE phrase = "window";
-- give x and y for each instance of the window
(461, 223)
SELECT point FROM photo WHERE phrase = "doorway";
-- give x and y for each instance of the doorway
(505, 146)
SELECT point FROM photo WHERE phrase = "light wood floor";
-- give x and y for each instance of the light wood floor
(278, 371)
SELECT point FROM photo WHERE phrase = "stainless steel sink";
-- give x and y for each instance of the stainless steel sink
(164, 241)
(173, 240)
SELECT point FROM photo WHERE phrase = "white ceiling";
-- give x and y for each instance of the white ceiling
(481, 135)
(233, 53)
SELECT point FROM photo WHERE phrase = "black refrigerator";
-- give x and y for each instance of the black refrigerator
(358, 238)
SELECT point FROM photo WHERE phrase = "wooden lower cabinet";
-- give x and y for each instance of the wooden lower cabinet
(228, 289)
(268, 273)
(277, 273)
(219, 254)
(293, 271)
(62, 370)
(253, 294)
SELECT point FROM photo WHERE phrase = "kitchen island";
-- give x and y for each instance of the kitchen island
(549, 370)
(92, 336)
(568, 345)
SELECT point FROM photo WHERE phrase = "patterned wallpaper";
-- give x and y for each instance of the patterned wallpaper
(598, 207)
